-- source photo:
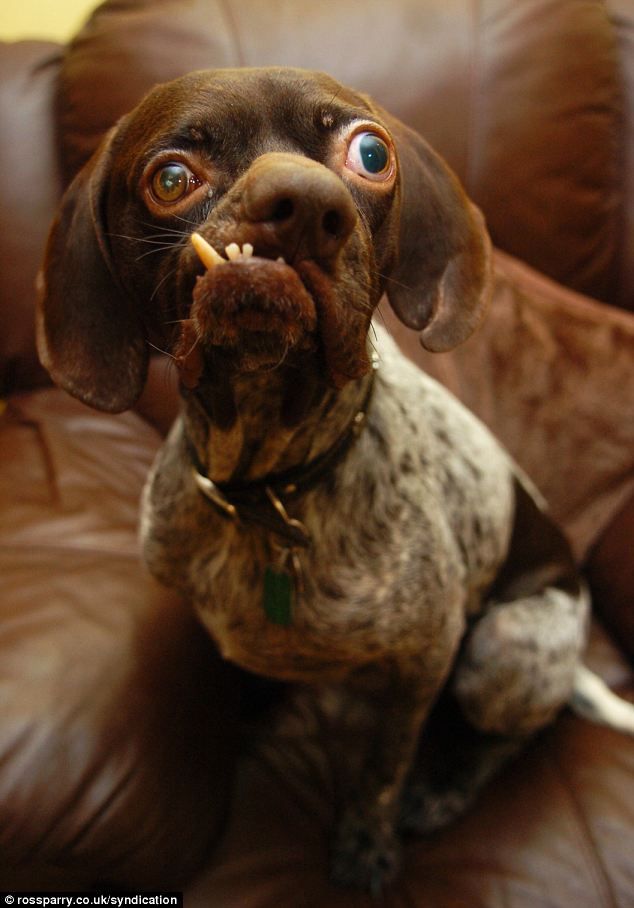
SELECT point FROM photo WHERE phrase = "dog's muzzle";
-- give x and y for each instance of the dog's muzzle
(263, 300)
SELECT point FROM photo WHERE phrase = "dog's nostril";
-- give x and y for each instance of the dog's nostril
(331, 223)
(283, 210)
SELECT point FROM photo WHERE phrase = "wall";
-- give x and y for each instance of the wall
(56, 19)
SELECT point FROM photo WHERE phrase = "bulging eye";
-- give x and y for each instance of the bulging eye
(172, 182)
(370, 156)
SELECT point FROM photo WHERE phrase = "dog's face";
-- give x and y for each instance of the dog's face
(307, 203)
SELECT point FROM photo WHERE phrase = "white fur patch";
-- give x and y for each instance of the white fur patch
(593, 700)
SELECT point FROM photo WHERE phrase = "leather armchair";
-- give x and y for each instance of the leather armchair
(130, 755)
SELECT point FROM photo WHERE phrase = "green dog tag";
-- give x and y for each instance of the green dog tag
(278, 596)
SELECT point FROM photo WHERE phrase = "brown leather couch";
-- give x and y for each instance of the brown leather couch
(129, 755)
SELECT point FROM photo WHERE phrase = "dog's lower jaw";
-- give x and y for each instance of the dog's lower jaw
(262, 434)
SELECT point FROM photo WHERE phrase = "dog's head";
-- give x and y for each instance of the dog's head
(307, 202)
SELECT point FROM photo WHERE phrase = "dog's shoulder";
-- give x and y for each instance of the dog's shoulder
(439, 456)
(416, 410)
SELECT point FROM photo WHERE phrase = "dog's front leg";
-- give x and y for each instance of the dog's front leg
(366, 851)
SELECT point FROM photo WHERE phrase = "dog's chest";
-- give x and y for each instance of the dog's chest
(405, 533)
(365, 589)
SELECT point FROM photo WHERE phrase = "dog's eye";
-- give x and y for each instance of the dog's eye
(369, 156)
(172, 182)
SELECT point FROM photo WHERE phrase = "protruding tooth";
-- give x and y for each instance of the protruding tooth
(281, 260)
(206, 252)
(247, 250)
(232, 251)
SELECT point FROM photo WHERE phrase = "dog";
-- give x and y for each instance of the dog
(337, 518)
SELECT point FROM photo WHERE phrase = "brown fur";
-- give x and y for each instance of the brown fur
(397, 603)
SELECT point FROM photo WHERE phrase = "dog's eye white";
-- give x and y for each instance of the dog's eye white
(172, 182)
(370, 156)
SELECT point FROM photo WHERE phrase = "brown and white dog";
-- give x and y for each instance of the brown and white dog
(348, 528)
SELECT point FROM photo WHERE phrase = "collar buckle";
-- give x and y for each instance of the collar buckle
(211, 491)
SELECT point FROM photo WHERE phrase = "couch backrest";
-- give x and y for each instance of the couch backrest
(531, 102)
(30, 190)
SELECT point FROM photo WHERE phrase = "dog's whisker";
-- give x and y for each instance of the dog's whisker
(161, 247)
(154, 240)
(194, 224)
(161, 282)
(382, 317)
(392, 280)
(280, 362)
(158, 243)
(176, 236)
(162, 229)
(167, 231)
(365, 306)
(160, 350)
(159, 240)
(197, 341)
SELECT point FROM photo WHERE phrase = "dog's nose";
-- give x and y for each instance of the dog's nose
(298, 208)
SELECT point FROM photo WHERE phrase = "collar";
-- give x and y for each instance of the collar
(261, 501)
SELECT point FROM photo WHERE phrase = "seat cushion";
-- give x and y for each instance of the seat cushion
(118, 728)
(550, 372)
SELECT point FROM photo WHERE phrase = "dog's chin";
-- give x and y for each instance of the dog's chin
(253, 351)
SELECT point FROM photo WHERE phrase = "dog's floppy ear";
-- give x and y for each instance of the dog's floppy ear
(89, 336)
(441, 281)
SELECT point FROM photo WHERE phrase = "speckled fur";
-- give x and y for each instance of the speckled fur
(434, 592)
(408, 534)
(407, 518)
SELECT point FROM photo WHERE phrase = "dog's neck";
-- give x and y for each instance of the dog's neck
(262, 437)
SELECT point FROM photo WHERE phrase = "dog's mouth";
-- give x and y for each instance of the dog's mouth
(255, 311)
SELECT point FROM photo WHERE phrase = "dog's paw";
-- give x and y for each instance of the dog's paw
(365, 855)
(424, 811)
